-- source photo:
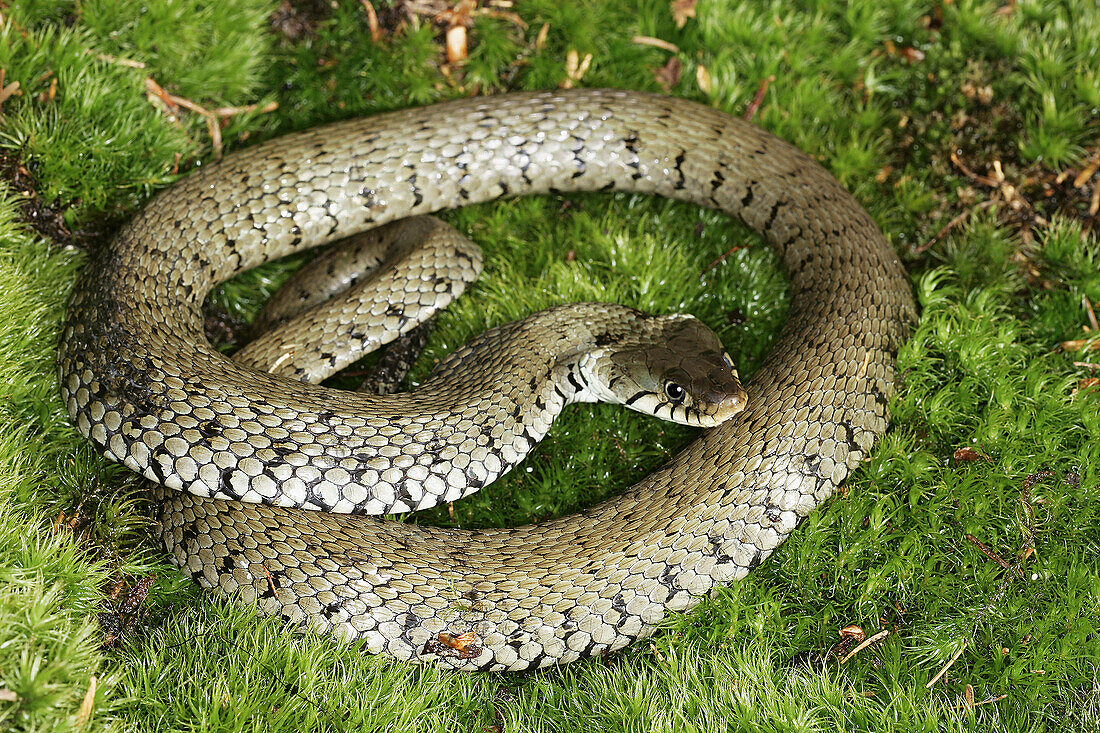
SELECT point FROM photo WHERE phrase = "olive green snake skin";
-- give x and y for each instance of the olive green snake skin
(141, 381)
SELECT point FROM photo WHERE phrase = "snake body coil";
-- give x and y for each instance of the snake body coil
(141, 381)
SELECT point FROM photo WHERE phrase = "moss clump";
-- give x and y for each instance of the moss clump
(987, 552)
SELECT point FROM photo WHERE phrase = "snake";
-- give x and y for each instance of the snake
(245, 458)
(486, 405)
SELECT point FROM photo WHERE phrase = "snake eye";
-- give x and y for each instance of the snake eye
(675, 392)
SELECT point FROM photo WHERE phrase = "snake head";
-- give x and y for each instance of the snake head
(674, 368)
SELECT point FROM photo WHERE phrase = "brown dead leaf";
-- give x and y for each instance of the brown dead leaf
(702, 78)
(463, 646)
(459, 642)
(456, 44)
(966, 453)
(575, 68)
(85, 711)
(668, 75)
(681, 11)
(852, 632)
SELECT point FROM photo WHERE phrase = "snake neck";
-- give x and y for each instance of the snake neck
(548, 360)
(487, 405)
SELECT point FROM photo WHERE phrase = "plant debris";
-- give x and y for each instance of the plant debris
(656, 43)
(575, 68)
(758, 98)
(463, 646)
(125, 609)
(702, 78)
(966, 454)
(681, 11)
(46, 219)
(668, 75)
(298, 19)
(864, 644)
(943, 670)
(216, 118)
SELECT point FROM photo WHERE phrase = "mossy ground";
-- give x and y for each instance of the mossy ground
(909, 104)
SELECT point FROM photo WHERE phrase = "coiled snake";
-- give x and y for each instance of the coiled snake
(141, 381)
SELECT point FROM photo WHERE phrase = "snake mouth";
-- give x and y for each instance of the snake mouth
(730, 405)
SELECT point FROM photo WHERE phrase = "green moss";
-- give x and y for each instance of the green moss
(207, 51)
(97, 145)
(650, 254)
(895, 550)
(83, 126)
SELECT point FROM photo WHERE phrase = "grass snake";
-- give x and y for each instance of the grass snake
(141, 381)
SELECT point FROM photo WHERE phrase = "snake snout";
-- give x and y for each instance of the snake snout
(723, 398)
(724, 405)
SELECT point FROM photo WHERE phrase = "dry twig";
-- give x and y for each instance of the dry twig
(758, 98)
(1086, 173)
(959, 219)
(1089, 344)
(718, 261)
(656, 43)
(85, 711)
(866, 643)
(372, 21)
(1093, 325)
(214, 118)
(972, 704)
(944, 668)
(990, 554)
(121, 61)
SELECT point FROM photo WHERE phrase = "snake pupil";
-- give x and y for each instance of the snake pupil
(675, 392)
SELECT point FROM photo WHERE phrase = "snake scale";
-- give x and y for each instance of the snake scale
(141, 381)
